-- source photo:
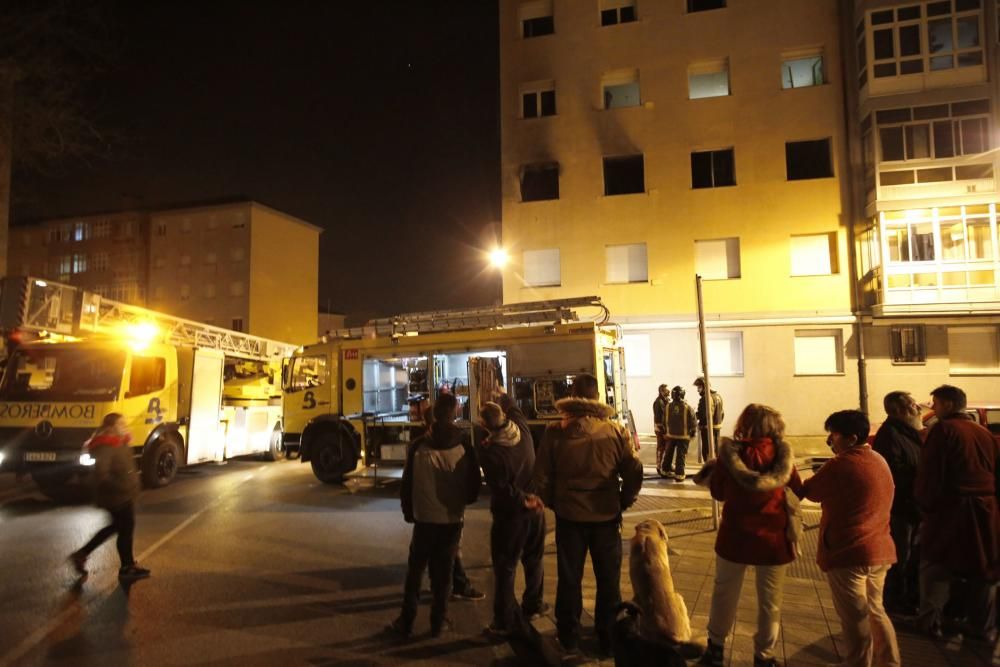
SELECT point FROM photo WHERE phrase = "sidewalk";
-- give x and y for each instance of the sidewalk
(810, 632)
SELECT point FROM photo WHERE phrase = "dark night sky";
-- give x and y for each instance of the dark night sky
(376, 120)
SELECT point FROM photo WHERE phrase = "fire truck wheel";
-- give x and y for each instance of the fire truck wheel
(276, 451)
(160, 463)
(332, 458)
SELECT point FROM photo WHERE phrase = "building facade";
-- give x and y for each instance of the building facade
(644, 143)
(240, 265)
(923, 107)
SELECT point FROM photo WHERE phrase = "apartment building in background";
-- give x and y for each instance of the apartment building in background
(643, 143)
(239, 265)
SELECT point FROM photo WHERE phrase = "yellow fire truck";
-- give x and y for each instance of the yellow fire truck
(189, 392)
(359, 395)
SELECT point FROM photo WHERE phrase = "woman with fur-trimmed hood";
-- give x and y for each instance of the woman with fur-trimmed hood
(749, 479)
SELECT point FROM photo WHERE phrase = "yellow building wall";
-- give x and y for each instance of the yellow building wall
(284, 277)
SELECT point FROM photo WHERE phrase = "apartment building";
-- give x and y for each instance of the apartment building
(644, 143)
(238, 265)
(923, 106)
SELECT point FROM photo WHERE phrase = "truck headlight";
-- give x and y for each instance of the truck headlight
(87, 460)
(1, 458)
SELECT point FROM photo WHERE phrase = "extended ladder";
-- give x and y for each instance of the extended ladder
(555, 311)
(36, 305)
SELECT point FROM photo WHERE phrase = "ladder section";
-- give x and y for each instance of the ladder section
(555, 311)
(33, 304)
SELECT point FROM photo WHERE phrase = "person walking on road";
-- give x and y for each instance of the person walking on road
(659, 424)
(855, 491)
(957, 490)
(704, 420)
(440, 478)
(681, 423)
(898, 441)
(507, 456)
(587, 471)
(749, 479)
(117, 487)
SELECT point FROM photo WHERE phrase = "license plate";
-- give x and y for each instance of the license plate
(39, 456)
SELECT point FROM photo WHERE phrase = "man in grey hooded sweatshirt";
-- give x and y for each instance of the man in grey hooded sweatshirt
(507, 456)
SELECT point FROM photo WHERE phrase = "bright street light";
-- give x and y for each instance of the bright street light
(498, 258)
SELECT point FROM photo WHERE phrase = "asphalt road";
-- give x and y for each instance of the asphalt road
(253, 564)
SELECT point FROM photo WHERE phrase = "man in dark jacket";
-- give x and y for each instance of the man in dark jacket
(659, 419)
(588, 473)
(704, 420)
(957, 491)
(898, 441)
(507, 456)
(441, 477)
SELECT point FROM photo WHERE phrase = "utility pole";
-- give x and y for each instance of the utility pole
(709, 403)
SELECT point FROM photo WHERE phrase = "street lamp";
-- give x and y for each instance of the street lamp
(498, 260)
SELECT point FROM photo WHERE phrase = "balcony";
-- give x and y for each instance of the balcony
(934, 180)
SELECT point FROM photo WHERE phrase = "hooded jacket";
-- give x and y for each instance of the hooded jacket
(586, 468)
(441, 476)
(115, 474)
(749, 478)
(508, 459)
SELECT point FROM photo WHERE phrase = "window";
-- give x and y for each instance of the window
(81, 231)
(161, 229)
(540, 182)
(99, 261)
(819, 352)
(814, 255)
(910, 242)
(541, 268)
(802, 70)
(936, 131)
(538, 100)
(79, 263)
(126, 228)
(907, 344)
(102, 230)
(966, 239)
(65, 267)
(705, 5)
(185, 260)
(638, 358)
(185, 292)
(623, 175)
(210, 258)
(209, 291)
(808, 159)
(236, 288)
(713, 169)
(620, 89)
(717, 259)
(617, 11)
(626, 263)
(148, 374)
(973, 350)
(725, 353)
(536, 19)
(306, 373)
(237, 254)
(237, 324)
(709, 79)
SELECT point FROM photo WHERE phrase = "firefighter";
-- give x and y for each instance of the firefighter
(659, 424)
(703, 420)
(680, 427)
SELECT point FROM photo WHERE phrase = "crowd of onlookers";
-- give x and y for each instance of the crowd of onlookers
(910, 526)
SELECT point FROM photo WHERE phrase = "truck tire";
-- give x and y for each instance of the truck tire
(160, 463)
(332, 456)
(276, 449)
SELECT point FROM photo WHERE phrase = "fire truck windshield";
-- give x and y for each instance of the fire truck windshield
(53, 373)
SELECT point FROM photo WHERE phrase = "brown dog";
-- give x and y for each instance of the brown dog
(664, 616)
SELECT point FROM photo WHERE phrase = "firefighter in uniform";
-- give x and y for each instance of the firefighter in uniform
(660, 425)
(681, 424)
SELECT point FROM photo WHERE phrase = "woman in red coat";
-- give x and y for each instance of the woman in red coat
(749, 478)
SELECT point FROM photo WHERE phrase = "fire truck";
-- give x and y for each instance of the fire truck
(189, 392)
(359, 396)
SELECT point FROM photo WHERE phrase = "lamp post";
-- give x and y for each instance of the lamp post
(498, 260)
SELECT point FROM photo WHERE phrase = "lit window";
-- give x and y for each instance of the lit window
(638, 356)
(81, 231)
(725, 353)
(79, 263)
(620, 89)
(540, 182)
(626, 263)
(704, 5)
(542, 268)
(819, 352)
(717, 259)
(713, 169)
(709, 79)
(802, 70)
(973, 350)
(907, 344)
(814, 255)
(624, 175)
(65, 266)
(614, 12)
(538, 99)
(536, 19)
(808, 159)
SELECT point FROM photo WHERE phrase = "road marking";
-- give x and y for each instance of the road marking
(99, 593)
